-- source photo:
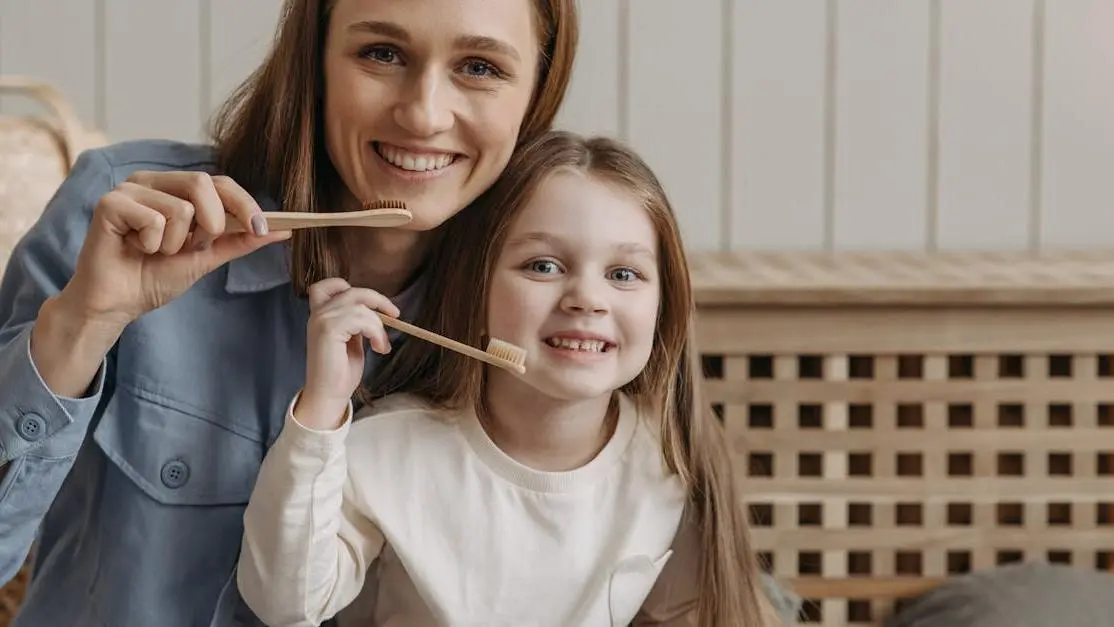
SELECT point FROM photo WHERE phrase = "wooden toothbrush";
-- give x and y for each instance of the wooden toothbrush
(381, 213)
(498, 353)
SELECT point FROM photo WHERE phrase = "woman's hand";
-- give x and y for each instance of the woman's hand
(153, 237)
(341, 316)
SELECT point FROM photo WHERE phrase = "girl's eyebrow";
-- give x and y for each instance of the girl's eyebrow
(634, 248)
(534, 237)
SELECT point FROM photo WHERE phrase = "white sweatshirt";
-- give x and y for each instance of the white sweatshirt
(453, 531)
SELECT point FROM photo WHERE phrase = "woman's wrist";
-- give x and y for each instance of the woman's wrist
(67, 348)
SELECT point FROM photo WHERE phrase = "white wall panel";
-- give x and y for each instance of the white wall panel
(1077, 203)
(594, 100)
(675, 108)
(777, 164)
(239, 37)
(881, 112)
(153, 82)
(54, 40)
(985, 124)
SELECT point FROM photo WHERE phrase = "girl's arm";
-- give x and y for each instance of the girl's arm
(306, 547)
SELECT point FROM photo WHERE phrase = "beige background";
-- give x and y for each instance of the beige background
(792, 124)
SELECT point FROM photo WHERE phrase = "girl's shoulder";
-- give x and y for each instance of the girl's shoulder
(403, 412)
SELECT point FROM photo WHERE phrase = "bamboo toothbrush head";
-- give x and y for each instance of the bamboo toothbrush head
(515, 356)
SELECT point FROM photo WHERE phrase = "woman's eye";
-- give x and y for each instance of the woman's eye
(480, 69)
(381, 54)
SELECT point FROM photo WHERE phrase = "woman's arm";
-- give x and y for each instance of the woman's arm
(51, 364)
(306, 547)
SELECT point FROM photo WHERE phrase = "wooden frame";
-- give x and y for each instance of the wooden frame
(903, 418)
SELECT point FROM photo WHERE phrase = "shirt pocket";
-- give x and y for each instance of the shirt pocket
(170, 514)
(630, 584)
(175, 457)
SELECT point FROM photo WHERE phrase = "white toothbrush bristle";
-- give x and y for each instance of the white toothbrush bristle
(508, 352)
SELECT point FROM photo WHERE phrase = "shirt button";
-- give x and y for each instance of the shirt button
(31, 427)
(175, 474)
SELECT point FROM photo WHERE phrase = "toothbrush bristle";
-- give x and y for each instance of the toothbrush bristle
(385, 204)
(507, 351)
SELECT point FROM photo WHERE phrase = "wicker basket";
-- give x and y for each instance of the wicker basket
(36, 154)
(901, 418)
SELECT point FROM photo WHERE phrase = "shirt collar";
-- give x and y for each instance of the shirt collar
(264, 269)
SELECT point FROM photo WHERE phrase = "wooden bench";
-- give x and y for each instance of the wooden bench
(901, 418)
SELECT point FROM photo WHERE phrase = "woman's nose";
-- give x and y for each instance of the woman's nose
(425, 107)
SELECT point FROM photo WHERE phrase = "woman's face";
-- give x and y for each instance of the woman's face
(424, 98)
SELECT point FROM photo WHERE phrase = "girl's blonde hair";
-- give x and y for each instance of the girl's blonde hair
(694, 445)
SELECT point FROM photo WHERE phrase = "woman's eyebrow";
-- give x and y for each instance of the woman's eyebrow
(470, 42)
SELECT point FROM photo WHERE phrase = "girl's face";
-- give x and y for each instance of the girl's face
(424, 98)
(577, 286)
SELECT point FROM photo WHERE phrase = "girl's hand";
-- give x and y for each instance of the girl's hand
(341, 316)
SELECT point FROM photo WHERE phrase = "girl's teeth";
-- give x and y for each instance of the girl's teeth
(593, 346)
(414, 163)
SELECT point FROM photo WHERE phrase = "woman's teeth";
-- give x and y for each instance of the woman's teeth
(590, 346)
(413, 162)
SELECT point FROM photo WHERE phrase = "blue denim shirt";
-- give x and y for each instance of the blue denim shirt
(136, 493)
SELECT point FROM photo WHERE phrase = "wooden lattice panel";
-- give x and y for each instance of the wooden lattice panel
(894, 440)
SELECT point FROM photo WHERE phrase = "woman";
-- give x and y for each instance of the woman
(126, 319)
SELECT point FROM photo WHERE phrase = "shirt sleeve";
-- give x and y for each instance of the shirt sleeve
(40, 432)
(306, 547)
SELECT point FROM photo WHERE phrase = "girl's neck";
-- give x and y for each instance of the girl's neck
(543, 433)
(384, 260)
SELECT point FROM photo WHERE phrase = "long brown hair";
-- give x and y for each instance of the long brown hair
(269, 138)
(694, 445)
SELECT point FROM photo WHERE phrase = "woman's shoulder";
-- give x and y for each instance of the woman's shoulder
(152, 154)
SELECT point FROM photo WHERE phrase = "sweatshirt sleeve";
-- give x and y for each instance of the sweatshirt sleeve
(40, 432)
(306, 547)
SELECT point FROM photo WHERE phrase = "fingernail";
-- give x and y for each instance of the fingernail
(259, 224)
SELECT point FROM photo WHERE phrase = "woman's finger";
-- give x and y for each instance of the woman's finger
(179, 214)
(140, 225)
(238, 202)
(196, 187)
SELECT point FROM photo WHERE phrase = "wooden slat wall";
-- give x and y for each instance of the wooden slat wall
(788, 124)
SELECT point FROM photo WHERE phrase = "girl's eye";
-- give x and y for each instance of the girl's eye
(481, 69)
(380, 54)
(624, 275)
(543, 266)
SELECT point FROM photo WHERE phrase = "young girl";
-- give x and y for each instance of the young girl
(595, 489)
